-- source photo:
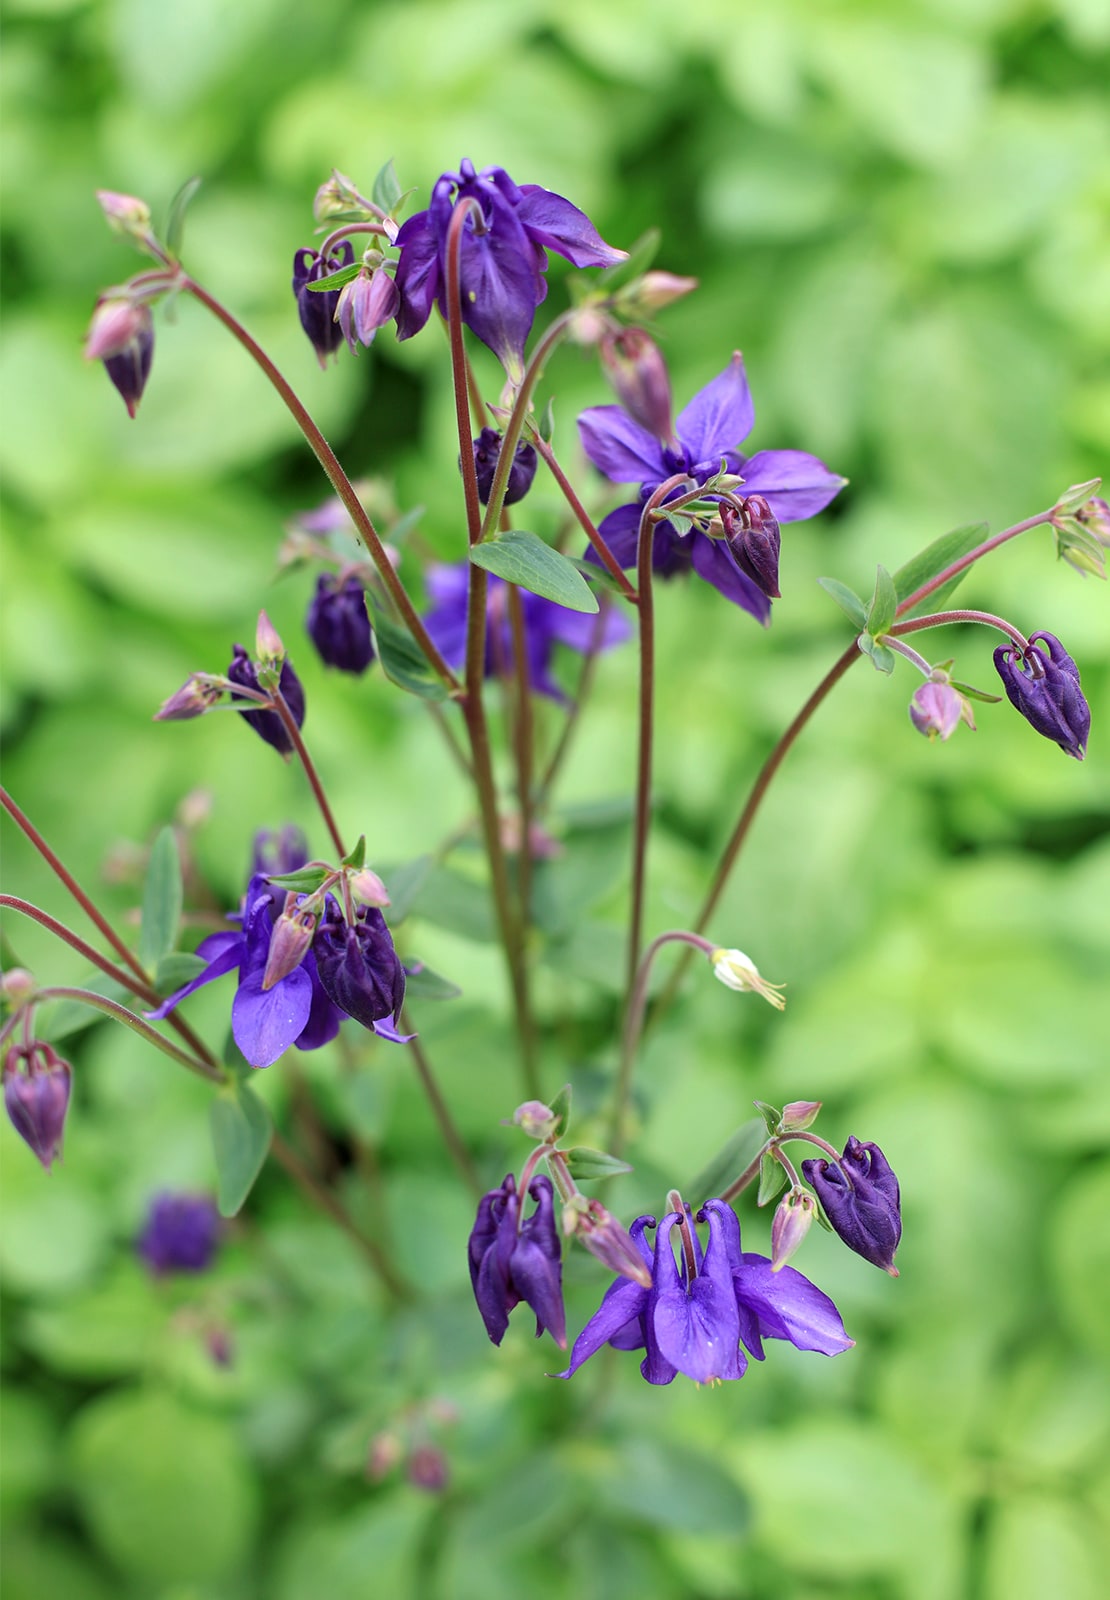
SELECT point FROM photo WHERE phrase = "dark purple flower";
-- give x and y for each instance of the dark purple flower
(317, 309)
(792, 484)
(267, 724)
(502, 260)
(122, 336)
(338, 625)
(696, 1326)
(752, 535)
(181, 1233)
(358, 967)
(487, 448)
(861, 1200)
(1044, 686)
(546, 624)
(514, 1258)
(36, 1097)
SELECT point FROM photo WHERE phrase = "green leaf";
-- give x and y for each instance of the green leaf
(976, 694)
(305, 880)
(404, 884)
(771, 1115)
(175, 220)
(335, 280)
(524, 559)
(560, 1110)
(176, 970)
(730, 1161)
(456, 903)
(924, 566)
(586, 1163)
(547, 421)
(403, 661)
(847, 599)
(424, 984)
(161, 900)
(357, 857)
(772, 1178)
(241, 1132)
(882, 657)
(387, 189)
(884, 604)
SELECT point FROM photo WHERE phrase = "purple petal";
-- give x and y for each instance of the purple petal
(580, 631)
(787, 1306)
(794, 484)
(266, 1022)
(620, 448)
(557, 225)
(385, 1030)
(719, 416)
(418, 275)
(223, 952)
(620, 530)
(713, 562)
(621, 1308)
(324, 1016)
(500, 285)
(697, 1329)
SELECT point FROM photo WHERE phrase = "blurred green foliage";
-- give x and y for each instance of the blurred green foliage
(900, 212)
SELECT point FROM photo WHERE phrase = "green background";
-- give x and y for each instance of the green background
(901, 214)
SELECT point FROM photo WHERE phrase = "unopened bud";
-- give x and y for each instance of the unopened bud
(121, 335)
(799, 1114)
(36, 1097)
(197, 695)
(634, 365)
(386, 1452)
(427, 1469)
(338, 199)
(220, 1347)
(368, 889)
(1095, 517)
(599, 1232)
(752, 536)
(535, 1119)
(17, 985)
(124, 213)
(734, 969)
(289, 942)
(652, 292)
(267, 641)
(195, 809)
(1076, 495)
(792, 1221)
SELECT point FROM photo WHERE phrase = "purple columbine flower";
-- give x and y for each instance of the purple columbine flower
(487, 448)
(546, 625)
(501, 261)
(792, 484)
(1046, 691)
(180, 1234)
(317, 308)
(861, 1200)
(697, 1325)
(37, 1082)
(514, 1258)
(267, 724)
(338, 625)
(357, 965)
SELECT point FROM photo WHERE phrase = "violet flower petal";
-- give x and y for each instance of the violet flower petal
(794, 484)
(720, 416)
(620, 448)
(697, 1328)
(265, 1022)
(558, 225)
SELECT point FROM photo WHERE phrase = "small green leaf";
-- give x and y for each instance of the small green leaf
(161, 900)
(884, 604)
(924, 566)
(176, 970)
(560, 1110)
(772, 1178)
(335, 280)
(731, 1160)
(976, 694)
(882, 658)
(771, 1115)
(402, 659)
(547, 421)
(305, 880)
(175, 220)
(387, 189)
(357, 857)
(524, 559)
(424, 984)
(847, 599)
(241, 1132)
(586, 1163)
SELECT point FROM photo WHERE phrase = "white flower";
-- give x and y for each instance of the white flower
(736, 971)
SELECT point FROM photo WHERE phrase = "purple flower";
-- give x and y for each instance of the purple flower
(338, 625)
(317, 308)
(792, 484)
(861, 1200)
(36, 1097)
(502, 260)
(267, 724)
(487, 448)
(696, 1325)
(1044, 686)
(546, 624)
(181, 1234)
(514, 1258)
(357, 965)
(122, 336)
(936, 709)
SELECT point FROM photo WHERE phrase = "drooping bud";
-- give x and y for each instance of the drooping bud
(17, 985)
(599, 1232)
(367, 303)
(752, 536)
(536, 1120)
(197, 695)
(121, 335)
(290, 940)
(1044, 686)
(317, 310)
(37, 1083)
(267, 724)
(487, 449)
(793, 1217)
(427, 1469)
(798, 1115)
(736, 971)
(338, 625)
(936, 709)
(860, 1197)
(368, 889)
(357, 965)
(268, 647)
(634, 365)
(180, 1234)
(651, 292)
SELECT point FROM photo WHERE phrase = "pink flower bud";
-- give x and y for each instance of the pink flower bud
(654, 291)
(634, 365)
(124, 213)
(368, 889)
(799, 1114)
(197, 695)
(537, 1120)
(792, 1221)
(267, 641)
(36, 1097)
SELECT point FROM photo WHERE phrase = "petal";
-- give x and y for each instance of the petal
(418, 275)
(265, 1022)
(787, 1305)
(557, 225)
(500, 286)
(223, 951)
(719, 416)
(620, 530)
(794, 484)
(619, 447)
(713, 563)
(623, 1304)
(697, 1330)
(324, 1017)
(580, 631)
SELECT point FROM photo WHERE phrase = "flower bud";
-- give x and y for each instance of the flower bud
(267, 724)
(267, 641)
(427, 1469)
(861, 1199)
(197, 695)
(487, 449)
(535, 1119)
(386, 1452)
(368, 889)
(1095, 517)
(289, 941)
(752, 536)
(36, 1097)
(366, 304)
(121, 335)
(652, 292)
(599, 1232)
(798, 1115)
(1044, 686)
(337, 199)
(317, 310)
(634, 365)
(338, 625)
(936, 709)
(124, 213)
(793, 1217)
(17, 985)
(734, 969)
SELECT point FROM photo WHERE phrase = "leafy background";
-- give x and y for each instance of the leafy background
(900, 213)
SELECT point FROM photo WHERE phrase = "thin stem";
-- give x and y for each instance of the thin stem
(570, 723)
(112, 1008)
(585, 521)
(924, 667)
(459, 364)
(972, 556)
(517, 417)
(523, 737)
(338, 480)
(749, 1174)
(787, 1165)
(452, 1138)
(349, 229)
(941, 619)
(288, 721)
(59, 929)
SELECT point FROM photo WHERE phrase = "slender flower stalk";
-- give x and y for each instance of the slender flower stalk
(942, 619)
(289, 723)
(75, 942)
(112, 1008)
(585, 521)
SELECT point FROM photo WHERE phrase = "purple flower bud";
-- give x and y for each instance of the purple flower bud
(1044, 686)
(487, 448)
(358, 966)
(36, 1097)
(935, 710)
(197, 695)
(338, 625)
(267, 724)
(1094, 514)
(599, 1232)
(861, 1201)
(427, 1469)
(121, 335)
(513, 1260)
(317, 310)
(366, 304)
(799, 1114)
(752, 535)
(634, 365)
(180, 1234)
(652, 292)
(793, 1216)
